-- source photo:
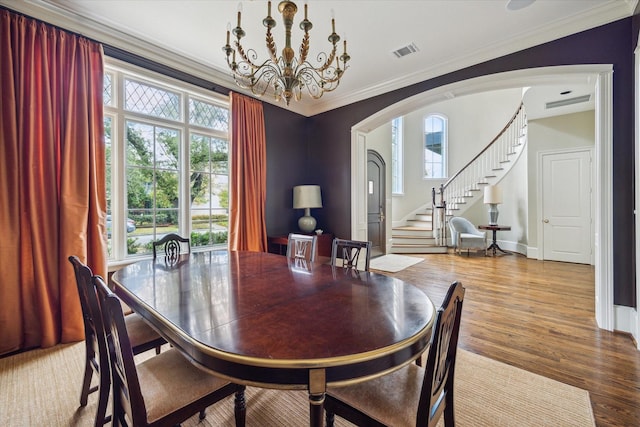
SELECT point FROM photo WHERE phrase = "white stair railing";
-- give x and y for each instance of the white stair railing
(468, 182)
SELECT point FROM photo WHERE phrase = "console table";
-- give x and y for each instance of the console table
(495, 229)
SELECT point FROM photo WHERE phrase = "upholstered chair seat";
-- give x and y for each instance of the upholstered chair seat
(391, 399)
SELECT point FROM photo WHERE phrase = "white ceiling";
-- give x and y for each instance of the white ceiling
(450, 35)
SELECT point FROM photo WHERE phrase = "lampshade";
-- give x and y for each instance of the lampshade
(307, 196)
(492, 194)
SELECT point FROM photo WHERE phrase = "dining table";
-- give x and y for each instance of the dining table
(265, 320)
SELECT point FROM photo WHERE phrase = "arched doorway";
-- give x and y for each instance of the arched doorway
(600, 75)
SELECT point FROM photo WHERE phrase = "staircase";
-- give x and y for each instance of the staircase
(421, 234)
(416, 237)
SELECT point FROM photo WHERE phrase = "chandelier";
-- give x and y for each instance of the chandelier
(286, 75)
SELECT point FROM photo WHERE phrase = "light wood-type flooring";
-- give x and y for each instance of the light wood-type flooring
(539, 316)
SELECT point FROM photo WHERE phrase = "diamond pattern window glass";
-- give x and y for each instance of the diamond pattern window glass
(208, 115)
(150, 100)
(107, 91)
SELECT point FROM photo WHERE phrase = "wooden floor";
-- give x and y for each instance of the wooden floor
(539, 316)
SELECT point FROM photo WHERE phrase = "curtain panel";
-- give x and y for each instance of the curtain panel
(52, 179)
(248, 176)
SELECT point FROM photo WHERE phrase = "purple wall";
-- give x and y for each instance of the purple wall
(330, 137)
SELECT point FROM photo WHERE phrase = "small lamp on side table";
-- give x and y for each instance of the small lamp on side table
(307, 197)
(493, 197)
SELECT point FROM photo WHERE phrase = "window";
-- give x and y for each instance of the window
(397, 143)
(167, 162)
(435, 146)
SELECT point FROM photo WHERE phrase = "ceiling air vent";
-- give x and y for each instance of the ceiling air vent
(406, 50)
(569, 101)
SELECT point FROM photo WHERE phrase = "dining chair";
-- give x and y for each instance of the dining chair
(302, 246)
(346, 253)
(143, 338)
(164, 390)
(172, 245)
(413, 395)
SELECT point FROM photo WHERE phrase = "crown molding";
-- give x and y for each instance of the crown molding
(601, 15)
(58, 15)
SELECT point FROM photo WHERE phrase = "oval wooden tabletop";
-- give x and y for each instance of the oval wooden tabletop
(259, 317)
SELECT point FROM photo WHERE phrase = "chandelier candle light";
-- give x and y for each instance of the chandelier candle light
(286, 76)
(492, 197)
(307, 197)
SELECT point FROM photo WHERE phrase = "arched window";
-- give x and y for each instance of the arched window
(397, 144)
(435, 146)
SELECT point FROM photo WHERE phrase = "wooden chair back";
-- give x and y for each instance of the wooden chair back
(302, 246)
(96, 354)
(348, 251)
(172, 245)
(436, 397)
(128, 404)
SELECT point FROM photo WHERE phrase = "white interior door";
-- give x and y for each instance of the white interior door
(566, 206)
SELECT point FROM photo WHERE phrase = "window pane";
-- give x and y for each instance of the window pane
(167, 149)
(209, 188)
(396, 156)
(140, 144)
(107, 89)
(152, 183)
(145, 99)
(166, 189)
(435, 141)
(208, 115)
(108, 123)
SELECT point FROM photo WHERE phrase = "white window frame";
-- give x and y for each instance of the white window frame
(119, 116)
(445, 146)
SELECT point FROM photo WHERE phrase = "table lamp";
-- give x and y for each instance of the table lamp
(492, 197)
(307, 197)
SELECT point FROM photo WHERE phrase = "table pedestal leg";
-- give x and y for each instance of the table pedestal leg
(494, 245)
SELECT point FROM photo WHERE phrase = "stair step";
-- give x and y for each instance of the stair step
(399, 239)
(412, 231)
(418, 249)
(419, 223)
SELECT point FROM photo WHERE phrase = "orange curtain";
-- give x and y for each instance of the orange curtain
(248, 180)
(52, 179)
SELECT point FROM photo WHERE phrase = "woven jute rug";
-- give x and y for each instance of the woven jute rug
(42, 388)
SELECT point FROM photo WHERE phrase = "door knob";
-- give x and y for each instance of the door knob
(546, 221)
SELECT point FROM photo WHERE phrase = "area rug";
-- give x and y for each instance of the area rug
(393, 262)
(42, 387)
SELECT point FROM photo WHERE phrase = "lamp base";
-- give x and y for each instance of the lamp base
(307, 223)
(493, 214)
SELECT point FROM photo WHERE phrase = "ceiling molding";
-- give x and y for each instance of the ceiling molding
(602, 15)
(61, 16)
